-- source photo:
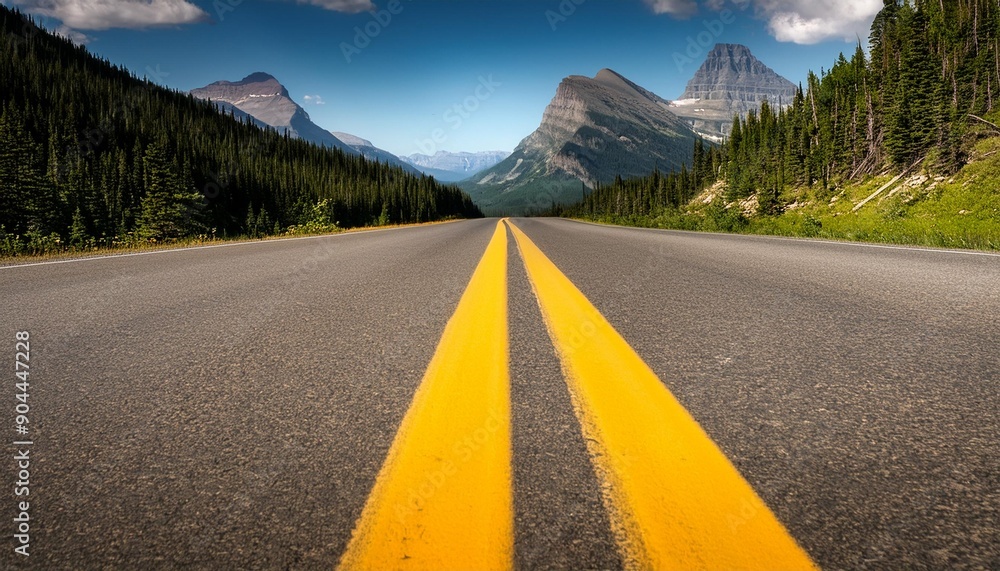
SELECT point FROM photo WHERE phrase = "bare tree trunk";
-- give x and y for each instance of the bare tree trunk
(870, 135)
(975, 26)
(812, 101)
(854, 137)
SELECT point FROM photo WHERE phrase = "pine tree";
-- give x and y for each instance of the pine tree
(78, 236)
(169, 212)
(263, 222)
(251, 222)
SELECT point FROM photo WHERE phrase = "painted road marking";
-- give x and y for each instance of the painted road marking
(444, 497)
(675, 500)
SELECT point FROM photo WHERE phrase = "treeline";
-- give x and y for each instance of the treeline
(934, 67)
(933, 72)
(92, 155)
(654, 193)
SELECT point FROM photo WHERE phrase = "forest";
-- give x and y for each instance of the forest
(918, 97)
(93, 156)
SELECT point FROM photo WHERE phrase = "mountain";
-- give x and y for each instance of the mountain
(262, 97)
(594, 130)
(453, 167)
(730, 82)
(373, 153)
(265, 101)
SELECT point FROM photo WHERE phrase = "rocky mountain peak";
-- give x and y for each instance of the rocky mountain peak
(731, 72)
(257, 84)
(614, 80)
(730, 82)
(258, 77)
(264, 98)
(595, 128)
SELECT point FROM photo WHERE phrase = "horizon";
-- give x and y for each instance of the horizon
(427, 77)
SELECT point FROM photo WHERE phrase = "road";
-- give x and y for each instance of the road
(665, 396)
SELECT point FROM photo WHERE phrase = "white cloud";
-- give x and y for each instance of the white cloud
(813, 21)
(676, 8)
(106, 14)
(797, 21)
(348, 6)
(314, 99)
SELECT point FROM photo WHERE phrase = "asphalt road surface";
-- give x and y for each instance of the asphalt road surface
(234, 407)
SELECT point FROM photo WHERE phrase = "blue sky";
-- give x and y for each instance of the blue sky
(478, 74)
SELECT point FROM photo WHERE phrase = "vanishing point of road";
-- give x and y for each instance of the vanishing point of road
(518, 393)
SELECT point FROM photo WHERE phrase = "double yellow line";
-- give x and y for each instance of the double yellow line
(444, 497)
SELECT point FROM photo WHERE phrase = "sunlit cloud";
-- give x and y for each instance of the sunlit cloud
(813, 21)
(796, 21)
(107, 14)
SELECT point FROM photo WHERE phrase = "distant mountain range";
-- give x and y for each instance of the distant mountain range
(366, 149)
(265, 100)
(453, 167)
(593, 130)
(731, 82)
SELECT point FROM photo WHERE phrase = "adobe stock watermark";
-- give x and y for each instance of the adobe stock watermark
(365, 35)
(459, 113)
(462, 452)
(698, 45)
(223, 7)
(562, 13)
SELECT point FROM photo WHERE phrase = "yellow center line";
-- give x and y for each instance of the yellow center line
(444, 499)
(675, 500)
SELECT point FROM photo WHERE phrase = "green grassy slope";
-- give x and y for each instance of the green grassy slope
(960, 211)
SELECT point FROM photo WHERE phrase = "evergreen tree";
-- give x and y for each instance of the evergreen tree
(169, 211)
(251, 222)
(263, 222)
(78, 236)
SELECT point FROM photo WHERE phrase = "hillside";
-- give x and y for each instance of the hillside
(913, 114)
(961, 210)
(90, 155)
